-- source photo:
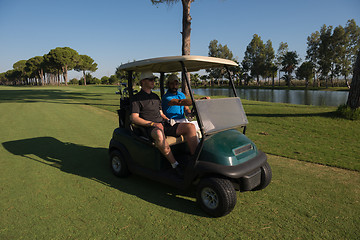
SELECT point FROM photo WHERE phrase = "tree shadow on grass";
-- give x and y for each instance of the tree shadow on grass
(32, 95)
(93, 163)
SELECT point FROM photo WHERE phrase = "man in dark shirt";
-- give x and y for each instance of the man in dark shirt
(146, 111)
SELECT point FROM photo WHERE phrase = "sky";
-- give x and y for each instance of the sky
(113, 32)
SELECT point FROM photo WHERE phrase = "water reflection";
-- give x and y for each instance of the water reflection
(305, 97)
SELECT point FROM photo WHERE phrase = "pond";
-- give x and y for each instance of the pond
(305, 97)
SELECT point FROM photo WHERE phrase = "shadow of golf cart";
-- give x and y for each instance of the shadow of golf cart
(225, 160)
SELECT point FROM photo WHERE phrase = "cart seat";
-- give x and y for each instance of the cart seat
(140, 132)
(175, 140)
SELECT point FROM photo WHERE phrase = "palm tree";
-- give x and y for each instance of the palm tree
(186, 31)
(195, 78)
(289, 63)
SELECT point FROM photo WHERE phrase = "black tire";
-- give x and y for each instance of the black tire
(118, 164)
(266, 175)
(216, 196)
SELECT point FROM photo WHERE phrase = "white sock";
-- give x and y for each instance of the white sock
(174, 165)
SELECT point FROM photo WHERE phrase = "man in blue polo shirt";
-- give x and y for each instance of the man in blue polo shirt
(174, 103)
(175, 106)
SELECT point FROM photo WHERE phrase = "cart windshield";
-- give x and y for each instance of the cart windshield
(221, 114)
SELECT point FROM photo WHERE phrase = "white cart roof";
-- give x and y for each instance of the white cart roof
(172, 64)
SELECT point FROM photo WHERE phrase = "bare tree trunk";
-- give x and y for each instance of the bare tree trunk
(354, 93)
(314, 81)
(41, 75)
(52, 78)
(186, 31)
(347, 82)
(326, 82)
(84, 77)
(58, 78)
(65, 74)
(279, 77)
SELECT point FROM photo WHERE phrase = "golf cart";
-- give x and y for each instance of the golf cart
(225, 159)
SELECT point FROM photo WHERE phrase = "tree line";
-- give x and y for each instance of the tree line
(331, 53)
(52, 68)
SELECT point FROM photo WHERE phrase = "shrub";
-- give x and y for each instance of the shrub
(113, 79)
(346, 112)
(105, 80)
(89, 80)
(74, 81)
(95, 80)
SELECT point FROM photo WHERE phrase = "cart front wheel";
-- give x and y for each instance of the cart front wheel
(216, 196)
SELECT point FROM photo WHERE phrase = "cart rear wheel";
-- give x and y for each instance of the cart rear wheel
(216, 196)
(118, 164)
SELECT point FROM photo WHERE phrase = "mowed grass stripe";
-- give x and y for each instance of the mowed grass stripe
(41, 119)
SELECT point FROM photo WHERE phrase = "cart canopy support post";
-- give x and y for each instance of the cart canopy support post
(201, 144)
(231, 81)
(162, 80)
(233, 88)
(130, 81)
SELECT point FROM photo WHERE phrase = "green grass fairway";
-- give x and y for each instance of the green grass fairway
(56, 182)
(306, 133)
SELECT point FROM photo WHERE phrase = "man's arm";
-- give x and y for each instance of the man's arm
(164, 116)
(180, 102)
(136, 119)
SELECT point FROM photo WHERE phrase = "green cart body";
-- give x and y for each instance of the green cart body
(225, 160)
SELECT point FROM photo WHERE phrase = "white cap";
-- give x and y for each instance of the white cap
(147, 75)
